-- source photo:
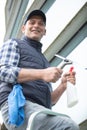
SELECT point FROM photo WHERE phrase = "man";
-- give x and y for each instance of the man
(21, 61)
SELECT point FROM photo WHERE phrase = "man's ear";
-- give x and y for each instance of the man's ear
(23, 28)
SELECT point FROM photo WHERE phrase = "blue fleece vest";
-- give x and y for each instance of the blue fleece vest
(37, 91)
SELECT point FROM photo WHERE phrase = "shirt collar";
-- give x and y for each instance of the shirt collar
(33, 43)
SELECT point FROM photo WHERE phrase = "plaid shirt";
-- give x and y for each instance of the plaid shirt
(9, 59)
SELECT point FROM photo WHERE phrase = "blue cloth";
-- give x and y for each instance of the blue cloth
(16, 102)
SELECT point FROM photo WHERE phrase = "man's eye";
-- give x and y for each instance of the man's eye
(32, 22)
(41, 23)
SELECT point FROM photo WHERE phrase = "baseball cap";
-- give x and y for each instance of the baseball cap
(36, 13)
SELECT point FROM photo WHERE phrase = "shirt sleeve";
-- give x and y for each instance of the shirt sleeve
(9, 59)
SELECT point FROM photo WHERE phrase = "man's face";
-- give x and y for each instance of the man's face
(34, 28)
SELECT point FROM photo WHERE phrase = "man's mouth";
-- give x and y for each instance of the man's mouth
(36, 31)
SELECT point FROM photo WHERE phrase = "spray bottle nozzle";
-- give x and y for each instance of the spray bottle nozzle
(71, 69)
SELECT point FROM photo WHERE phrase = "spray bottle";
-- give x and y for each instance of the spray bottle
(71, 92)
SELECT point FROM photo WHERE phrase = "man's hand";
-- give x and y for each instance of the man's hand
(69, 77)
(51, 74)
